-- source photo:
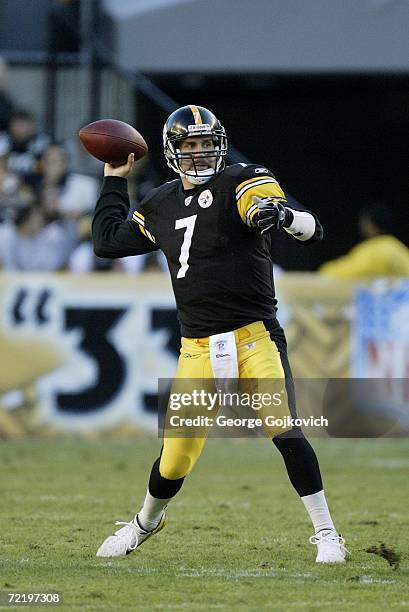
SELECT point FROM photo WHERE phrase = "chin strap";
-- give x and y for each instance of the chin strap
(197, 179)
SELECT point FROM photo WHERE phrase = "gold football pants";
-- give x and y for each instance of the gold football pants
(261, 355)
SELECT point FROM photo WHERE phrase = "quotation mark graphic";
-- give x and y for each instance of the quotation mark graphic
(27, 310)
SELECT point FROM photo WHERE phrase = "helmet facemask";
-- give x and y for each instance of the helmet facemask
(175, 157)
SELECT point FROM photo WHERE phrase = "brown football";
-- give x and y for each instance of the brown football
(112, 141)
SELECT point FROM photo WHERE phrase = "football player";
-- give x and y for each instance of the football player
(215, 224)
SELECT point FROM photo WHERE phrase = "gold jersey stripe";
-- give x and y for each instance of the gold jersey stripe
(138, 220)
(150, 236)
(138, 214)
(196, 114)
(140, 223)
(253, 180)
(264, 189)
(144, 231)
(260, 181)
(250, 214)
(251, 217)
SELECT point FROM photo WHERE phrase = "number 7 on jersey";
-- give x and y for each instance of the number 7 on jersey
(189, 224)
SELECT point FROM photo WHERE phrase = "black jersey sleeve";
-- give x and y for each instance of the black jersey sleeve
(113, 234)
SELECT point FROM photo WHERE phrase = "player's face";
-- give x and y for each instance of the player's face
(198, 148)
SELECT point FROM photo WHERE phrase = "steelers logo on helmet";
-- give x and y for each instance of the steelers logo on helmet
(194, 122)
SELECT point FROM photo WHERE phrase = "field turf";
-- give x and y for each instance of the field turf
(236, 538)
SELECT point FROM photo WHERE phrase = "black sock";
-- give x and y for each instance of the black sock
(160, 487)
(301, 462)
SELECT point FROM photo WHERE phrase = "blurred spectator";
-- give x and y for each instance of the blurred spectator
(151, 262)
(379, 254)
(14, 193)
(65, 193)
(9, 185)
(28, 244)
(23, 145)
(83, 259)
(7, 105)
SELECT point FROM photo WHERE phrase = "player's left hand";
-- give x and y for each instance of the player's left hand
(272, 214)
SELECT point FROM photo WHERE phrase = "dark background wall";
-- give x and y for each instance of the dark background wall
(25, 26)
(336, 143)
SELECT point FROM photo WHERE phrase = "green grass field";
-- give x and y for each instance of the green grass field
(236, 538)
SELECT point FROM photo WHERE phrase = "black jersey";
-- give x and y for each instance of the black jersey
(220, 264)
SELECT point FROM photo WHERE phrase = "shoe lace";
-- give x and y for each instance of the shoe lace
(135, 529)
(330, 536)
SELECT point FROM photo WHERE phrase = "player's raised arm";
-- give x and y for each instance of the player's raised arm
(113, 234)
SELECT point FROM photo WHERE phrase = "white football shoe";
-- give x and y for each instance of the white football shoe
(128, 538)
(331, 547)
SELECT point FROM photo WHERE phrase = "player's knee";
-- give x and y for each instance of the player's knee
(282, 433)
(178, 466)
(291, 432)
